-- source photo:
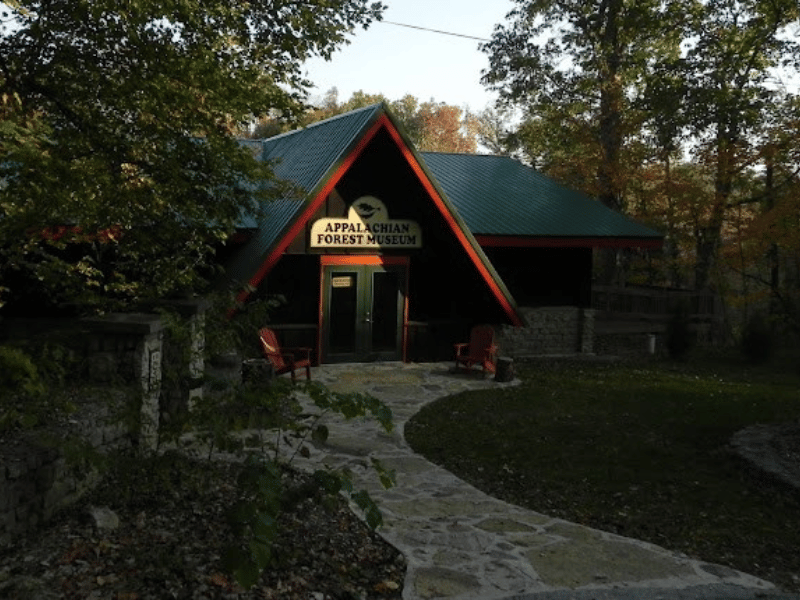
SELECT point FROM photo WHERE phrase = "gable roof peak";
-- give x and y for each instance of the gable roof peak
(345, 115)
(349, 114)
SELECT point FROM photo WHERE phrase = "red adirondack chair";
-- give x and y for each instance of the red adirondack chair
(480, 350)
(284, 360)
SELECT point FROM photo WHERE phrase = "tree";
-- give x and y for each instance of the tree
(432, 126)
(277, 122)
(731, 52)
(766, 254)
(573, 67)
(572, 63)
(495, 132)
(610, 89)
(120, 166)
(446, 128)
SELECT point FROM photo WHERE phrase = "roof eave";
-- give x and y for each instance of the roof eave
(313, 199)
(316, 196)
(510, 241)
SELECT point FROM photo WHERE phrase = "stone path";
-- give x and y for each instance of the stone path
(461, 543)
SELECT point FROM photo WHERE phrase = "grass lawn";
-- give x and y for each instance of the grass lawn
(638, 449)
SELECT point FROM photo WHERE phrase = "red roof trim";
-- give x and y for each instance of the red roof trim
(362, 259)
(455, 228)
(499, 241)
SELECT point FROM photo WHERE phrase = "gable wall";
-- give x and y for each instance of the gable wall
(445, 288)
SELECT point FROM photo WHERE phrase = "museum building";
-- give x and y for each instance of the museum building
(382, 252)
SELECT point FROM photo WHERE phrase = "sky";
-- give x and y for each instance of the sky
(394, 61)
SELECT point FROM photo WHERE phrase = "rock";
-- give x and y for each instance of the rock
(773, 449)
(103, 517)
(436, 582)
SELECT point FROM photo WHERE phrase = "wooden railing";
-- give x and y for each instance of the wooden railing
(653, 304)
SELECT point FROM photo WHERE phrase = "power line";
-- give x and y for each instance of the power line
(781, 83)
(439, 31)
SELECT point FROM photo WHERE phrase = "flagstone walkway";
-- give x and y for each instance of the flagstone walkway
(463, 544)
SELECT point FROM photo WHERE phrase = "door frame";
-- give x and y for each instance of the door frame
(330, 260)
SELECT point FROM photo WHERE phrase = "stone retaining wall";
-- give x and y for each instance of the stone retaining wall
(123, 353)
(561, 330)
(46, 470)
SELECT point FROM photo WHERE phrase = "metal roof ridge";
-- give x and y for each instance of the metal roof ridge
(475, 154)
(319, 123)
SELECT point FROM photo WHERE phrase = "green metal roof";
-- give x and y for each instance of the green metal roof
(304, 157)
(499, 196)
(492, 195)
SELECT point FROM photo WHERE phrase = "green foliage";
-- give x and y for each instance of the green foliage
(569, 65)
(30, 381)
(20, 388)
(757, 339)
(614, 94)
(432, 126)
(254, 520)
(120, 166)
(18, 373)
(350, 405)
(271, 425)
(226, 331)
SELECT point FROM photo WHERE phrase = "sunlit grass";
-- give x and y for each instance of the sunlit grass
(637, 449)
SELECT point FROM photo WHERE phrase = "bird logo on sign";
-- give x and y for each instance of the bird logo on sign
(366, 209)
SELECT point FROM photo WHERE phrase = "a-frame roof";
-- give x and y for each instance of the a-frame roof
(314, 159)
(307, 159)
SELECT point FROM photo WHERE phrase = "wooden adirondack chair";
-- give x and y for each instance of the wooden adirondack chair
(480, 350)
(284, 360)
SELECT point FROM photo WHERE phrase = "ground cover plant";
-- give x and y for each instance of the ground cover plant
(220, 514)
(639, 449)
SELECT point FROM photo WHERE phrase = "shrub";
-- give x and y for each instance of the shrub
(286, 417)
(18, 373)
(20, 389)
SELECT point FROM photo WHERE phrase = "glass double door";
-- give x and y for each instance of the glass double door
(364, 312)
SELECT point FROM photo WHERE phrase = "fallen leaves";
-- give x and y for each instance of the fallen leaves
(170, 540)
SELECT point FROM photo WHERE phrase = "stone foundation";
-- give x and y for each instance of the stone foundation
(557, 330)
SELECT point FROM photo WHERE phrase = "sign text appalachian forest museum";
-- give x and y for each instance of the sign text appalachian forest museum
(367, 226)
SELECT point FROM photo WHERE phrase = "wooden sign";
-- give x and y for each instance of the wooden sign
(367, 226)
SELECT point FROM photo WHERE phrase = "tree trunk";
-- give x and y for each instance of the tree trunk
(772, 254)
(610, 121)
(709, 236)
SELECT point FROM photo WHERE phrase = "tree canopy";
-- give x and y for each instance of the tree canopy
(120, 165)
(432, 126)
(615, 94)
(574, 63)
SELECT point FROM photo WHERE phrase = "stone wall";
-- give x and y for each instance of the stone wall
(45, 470)
(126, 349)
(556, 330)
